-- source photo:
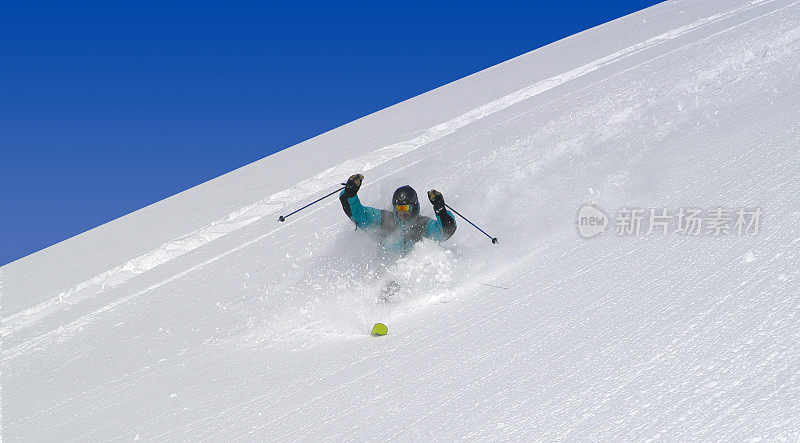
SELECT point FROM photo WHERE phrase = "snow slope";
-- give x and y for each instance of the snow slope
(203, 318)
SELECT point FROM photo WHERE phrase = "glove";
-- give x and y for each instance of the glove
(353, 185)
(437, 200)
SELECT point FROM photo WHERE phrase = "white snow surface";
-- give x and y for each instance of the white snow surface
(203, 318)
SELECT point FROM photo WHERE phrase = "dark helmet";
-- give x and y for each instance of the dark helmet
(405, 202)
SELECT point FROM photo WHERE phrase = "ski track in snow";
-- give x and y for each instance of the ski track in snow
(710, 354)
(321, 182)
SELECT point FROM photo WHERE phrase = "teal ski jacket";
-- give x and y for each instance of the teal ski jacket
(394, 234)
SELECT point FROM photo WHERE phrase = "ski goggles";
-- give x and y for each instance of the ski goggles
(402, 208)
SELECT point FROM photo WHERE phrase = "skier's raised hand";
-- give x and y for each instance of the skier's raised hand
(353, 185)
(437, 200)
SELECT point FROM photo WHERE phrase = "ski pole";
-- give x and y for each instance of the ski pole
(494, 239)
(283, 217)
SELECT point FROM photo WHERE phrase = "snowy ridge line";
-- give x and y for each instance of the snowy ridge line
(64, 332)
(321, 182)
(67, 331)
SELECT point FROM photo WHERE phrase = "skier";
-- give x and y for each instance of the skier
(399, 229)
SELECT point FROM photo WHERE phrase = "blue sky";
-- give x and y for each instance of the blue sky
(109, 106)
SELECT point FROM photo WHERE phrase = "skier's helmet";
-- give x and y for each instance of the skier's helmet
(405, 202)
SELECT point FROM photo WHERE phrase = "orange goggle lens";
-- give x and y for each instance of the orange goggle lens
(403, 208)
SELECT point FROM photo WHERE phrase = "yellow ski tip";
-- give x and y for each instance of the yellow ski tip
(379, 329)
